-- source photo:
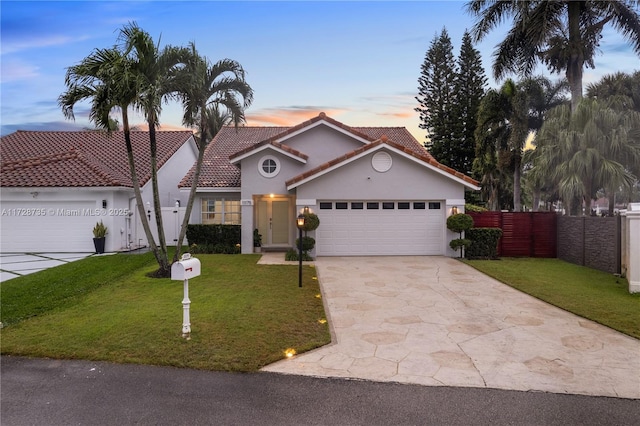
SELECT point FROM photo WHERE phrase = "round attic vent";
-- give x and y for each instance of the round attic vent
(381, 161)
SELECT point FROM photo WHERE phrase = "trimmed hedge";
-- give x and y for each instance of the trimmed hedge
(484, 243)
(214, 238)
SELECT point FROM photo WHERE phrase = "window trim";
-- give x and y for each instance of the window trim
(263, 172)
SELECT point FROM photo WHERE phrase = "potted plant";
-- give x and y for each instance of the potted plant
(99, 236)
(257, 241)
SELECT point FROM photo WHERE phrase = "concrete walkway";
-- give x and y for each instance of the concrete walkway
(435, 321)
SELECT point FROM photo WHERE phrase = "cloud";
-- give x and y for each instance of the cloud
(288, 116)
(5, 129)
(16, 70)
(13, 46)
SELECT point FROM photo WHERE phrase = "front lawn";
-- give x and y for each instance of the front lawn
(243, 315)
(589, 293)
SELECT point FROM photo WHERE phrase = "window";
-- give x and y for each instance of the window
(341, 206)
(373, 206)
(269, 166)
(434, 206)
(221, 211)
(418, 206)
(403, 205)
(356, 206)
(326, 206)
(388, 206)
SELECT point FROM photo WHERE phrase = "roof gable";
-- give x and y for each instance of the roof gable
(81, 159)
(426, 160)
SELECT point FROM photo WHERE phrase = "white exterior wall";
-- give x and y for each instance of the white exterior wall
(61, 219)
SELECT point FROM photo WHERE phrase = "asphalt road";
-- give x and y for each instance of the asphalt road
(52, 392)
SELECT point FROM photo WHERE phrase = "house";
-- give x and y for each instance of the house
(376, 190)
(55, 186)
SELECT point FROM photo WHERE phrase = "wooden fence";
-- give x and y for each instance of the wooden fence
(525, 234)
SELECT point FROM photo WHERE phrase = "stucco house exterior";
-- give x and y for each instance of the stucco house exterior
(55, 186)
(376, 190)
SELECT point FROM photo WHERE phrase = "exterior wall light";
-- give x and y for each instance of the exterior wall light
(454, 210)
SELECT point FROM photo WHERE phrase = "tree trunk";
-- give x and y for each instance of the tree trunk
(576, 59)
(136, 183)
(162, 256)
(536, 199)
(516, 184)
(192, 195)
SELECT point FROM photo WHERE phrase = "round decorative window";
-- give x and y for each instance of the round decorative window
(381, 161)
(269, 166)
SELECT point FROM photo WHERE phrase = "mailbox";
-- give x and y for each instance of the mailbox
(187, 267)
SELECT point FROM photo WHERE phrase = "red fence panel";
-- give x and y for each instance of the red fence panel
(528, 234)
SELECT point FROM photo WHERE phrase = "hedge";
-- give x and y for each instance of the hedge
(214, 238)
(484, 243)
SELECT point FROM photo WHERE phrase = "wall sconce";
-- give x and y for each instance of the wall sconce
(454, 210)
(305, 210)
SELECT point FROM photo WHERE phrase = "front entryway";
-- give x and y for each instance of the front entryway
(274, 221)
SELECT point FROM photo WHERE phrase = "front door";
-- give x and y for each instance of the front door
(274, 221)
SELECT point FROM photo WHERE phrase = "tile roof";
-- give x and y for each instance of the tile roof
(383, 140)
(218, 172)
(80, 159)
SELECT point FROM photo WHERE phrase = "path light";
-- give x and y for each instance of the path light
(300, 224)
(289, 352)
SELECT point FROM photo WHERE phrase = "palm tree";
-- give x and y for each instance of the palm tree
(154, 72)
(105, 77)
(586, 150)
(562, 34)
(212, 96)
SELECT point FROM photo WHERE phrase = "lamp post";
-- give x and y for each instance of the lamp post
(300, 223)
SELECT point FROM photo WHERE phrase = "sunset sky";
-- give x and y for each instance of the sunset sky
(357, 61)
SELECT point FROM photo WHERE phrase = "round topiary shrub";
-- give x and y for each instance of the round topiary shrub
(459, 222)
(311, 221)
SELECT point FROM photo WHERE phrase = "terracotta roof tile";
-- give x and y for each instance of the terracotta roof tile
(80, 159)
(218, 172)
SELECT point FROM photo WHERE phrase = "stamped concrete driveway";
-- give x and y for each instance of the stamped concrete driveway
(437, 321)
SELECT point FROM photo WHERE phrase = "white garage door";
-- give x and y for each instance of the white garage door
(47, 226)
(365, 228)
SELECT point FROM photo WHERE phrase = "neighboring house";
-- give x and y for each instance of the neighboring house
(55, 186)
(376, 190)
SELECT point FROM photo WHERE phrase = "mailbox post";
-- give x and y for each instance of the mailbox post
(187, 267)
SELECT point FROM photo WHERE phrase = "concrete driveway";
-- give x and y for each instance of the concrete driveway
(435, 321)
(13, 265)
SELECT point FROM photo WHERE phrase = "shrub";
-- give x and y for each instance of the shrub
(308, 243)
(214, 238)
(459, 223)
(484, 243)
(472, 208)
(292, 254)
(311, 222)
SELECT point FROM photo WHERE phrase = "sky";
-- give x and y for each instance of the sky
(358, 62)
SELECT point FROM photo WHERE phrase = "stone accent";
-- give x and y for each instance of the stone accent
(590, 241)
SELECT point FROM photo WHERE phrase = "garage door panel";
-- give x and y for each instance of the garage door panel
(380, 232)
(60, 227)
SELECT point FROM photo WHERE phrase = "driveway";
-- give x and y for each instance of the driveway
(436, 321)
(13, 265)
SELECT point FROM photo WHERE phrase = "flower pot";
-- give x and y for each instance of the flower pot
(98, 243)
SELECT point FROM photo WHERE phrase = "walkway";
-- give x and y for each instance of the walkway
(436, 321)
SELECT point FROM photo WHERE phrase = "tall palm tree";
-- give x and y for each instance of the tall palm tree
(105, 77)
(154, 70)
(212, 96)
(586, 150)
(562, 34)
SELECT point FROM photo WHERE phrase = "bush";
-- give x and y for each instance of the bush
(484, 243)
(214, 238)
(472, 208)
(308, 243)
(459, 222)
(311, 222)
(292, 254)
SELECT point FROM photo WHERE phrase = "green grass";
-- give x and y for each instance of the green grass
(243, 315)
(589, 293)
